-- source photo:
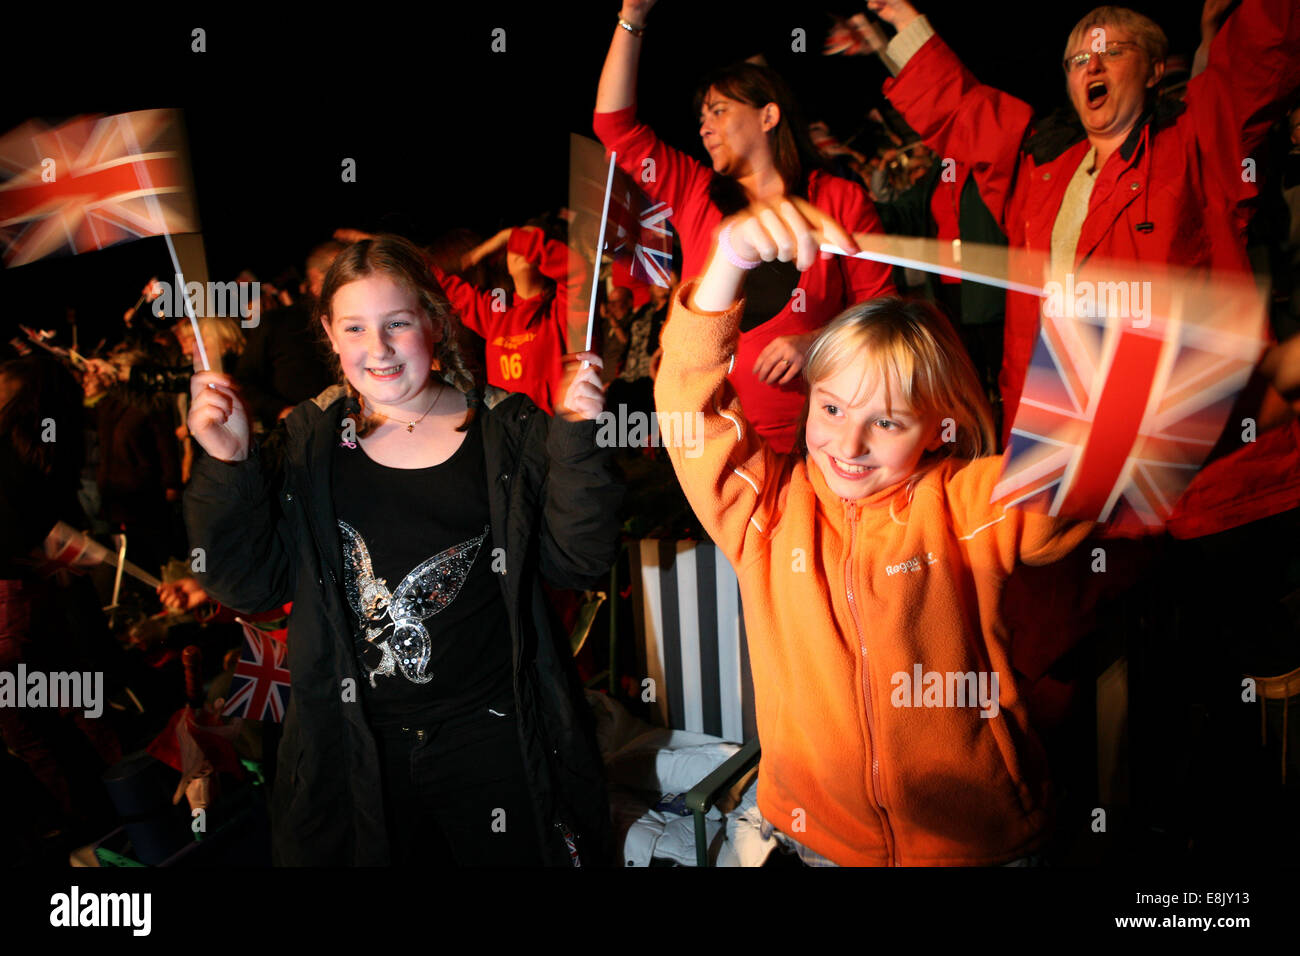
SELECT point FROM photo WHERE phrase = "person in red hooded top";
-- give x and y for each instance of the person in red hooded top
(1127, 177)
(758, 150)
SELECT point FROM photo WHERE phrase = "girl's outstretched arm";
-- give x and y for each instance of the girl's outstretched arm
(729, 475)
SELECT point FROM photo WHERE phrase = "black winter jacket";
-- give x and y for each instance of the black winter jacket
(268, 529)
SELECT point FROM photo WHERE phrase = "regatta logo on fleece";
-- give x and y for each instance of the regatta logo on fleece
(912, 564)
(946, 689)
(510, 342)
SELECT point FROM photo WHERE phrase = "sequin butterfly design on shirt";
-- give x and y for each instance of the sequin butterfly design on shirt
(428, 589)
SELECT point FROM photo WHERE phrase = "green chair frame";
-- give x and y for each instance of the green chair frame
(702, 797)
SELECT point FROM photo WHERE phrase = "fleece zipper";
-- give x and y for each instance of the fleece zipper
(891, 845)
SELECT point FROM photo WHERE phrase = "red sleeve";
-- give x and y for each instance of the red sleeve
(622, 276)
(1252, 71)
(553, 259)
(865, 279)
(959, 117)
(663, 173)
(473, 307)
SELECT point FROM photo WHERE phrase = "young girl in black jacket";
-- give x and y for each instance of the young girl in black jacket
(433, 717)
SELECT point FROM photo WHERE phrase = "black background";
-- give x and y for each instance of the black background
(444, 132)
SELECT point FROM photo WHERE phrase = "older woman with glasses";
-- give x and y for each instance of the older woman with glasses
(1129, 177)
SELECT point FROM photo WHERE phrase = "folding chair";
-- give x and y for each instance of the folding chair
(690, 637)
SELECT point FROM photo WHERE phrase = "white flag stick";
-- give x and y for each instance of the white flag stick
(146, 183)
(975, 262)
(134, 571)
(67, 546)
(600, 252)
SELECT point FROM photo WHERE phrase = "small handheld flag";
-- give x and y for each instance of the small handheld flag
(260, 687)
(1130, 384)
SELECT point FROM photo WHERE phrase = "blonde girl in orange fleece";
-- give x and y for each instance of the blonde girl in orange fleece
(894, 730)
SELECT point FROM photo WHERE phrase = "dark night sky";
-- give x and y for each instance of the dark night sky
(445, 132)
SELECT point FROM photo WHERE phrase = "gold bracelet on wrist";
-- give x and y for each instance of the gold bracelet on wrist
(635, 31)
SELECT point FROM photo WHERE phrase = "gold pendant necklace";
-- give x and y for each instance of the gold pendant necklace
(410, 426)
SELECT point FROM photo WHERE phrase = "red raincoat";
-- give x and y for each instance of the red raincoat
(1181, 173)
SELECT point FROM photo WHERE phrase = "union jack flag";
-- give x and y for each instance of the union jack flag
(637, 231)
(260, 688)
(92, 182)
(856, 36)
(642, 234)
(1119, 411)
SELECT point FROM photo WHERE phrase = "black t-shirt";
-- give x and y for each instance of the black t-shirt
(429, 621)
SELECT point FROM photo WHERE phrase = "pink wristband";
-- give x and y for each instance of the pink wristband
(724, 246)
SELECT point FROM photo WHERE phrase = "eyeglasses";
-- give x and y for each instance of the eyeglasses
(1113, 51)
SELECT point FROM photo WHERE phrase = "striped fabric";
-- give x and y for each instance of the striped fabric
(690, 636)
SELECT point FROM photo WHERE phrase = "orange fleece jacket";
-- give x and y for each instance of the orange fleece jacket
(846, 603)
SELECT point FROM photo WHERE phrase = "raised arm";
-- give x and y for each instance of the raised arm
(956, 115)
(730, 475)
(1212, 16)
(1253, 69)
(582, 488)
(551, 257)
(477, 308)
(617, 89)
(231, 508)
(665, 173)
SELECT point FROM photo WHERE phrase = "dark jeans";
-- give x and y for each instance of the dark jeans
(455, 793)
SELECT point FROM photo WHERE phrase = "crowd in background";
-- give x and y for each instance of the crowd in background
(128, 402)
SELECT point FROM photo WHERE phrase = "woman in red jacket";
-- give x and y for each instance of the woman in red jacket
(759, 150)
(1132, 180)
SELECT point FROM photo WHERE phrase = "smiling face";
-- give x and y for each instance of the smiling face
(861, 442)
(1110, 91)
(385, 343)
(735, 133)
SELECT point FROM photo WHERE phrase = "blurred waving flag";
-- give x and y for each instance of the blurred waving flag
(854, 36)
(260, 688)
(638, 237)
(67, 549)
(638, 232)
(92, 182)
(643, 235)
(1128, 390)
(1136, 369)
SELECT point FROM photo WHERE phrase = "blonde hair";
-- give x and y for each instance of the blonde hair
(909, 345)
(1146, 32)
(222, 335)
